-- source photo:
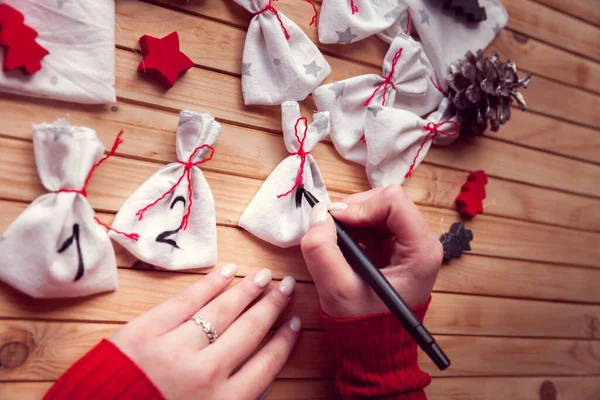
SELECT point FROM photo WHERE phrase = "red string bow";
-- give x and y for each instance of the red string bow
(83, 190)
(270, 7)
(187, 173)
(353, 7)
(433, 130)
(387, 81)
(303, 154)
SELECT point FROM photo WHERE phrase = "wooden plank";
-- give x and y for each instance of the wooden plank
(551, 26)
(588, 10)
(243, 152)
(567, 388)
(208, 43)
(448, 314)
(54, 346)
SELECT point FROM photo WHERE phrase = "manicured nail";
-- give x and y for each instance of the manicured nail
(318, 214)
(287, 285)
(295, 324)
(263, 278)
(337, 206)
(228, 271)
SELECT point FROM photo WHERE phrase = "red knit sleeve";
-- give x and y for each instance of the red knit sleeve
(376, 357)
(104, 373)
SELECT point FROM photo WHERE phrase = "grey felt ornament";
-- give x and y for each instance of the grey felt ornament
(455, 241)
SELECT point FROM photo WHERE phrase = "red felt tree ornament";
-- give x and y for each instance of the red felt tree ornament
(470, 201)
(18, 40)
(163, 59)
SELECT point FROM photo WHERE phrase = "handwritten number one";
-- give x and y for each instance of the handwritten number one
(67, 244)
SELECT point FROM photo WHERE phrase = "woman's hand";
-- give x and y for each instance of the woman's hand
(397, 239)
(175, 353)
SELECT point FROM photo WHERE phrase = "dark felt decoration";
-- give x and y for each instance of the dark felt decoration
(468, 9)
(456, 241)
(163, 59)
(18, 40)
(470, 201)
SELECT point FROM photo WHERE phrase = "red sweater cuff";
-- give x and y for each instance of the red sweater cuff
(376, 357)
(104, 373)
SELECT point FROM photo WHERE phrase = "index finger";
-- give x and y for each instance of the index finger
(388, 208)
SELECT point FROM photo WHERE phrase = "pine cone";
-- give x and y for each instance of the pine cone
(481, 88)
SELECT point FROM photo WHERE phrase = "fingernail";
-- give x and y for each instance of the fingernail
(287, 285)
(263, 278)
(318, 214)
(228, 271)
(337, 206)
(295, 324)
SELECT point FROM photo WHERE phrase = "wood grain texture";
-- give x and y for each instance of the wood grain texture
(551, 26)
(149, 135)
(588, 10)
(53, 347)
(567, 388)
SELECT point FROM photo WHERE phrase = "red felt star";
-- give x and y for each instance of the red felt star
(163, 59)
(470, 200)
(18, 41)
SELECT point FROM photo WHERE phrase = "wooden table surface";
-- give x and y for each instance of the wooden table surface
(519, 316)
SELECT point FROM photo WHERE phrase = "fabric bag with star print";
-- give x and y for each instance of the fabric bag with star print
(348, 21)
(406, 83)
(280, 62)
(447, 37)
(56, 247)
(277, 214)
(398, 141)
(173, 211)
(80, 39)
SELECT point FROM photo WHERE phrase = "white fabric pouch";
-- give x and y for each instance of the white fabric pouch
(173, 212)
(398, 141)
(447, 37)
(80, 36)
(55, 248)
(277, 214)
(280, 62)
(348, 21)
(406, 83)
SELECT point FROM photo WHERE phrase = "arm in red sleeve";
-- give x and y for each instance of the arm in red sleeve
(376, 357)
(102, 374)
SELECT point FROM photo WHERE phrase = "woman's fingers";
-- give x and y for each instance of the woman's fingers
(245, 334)
(170, 314)
(260, 371)
(221, 311)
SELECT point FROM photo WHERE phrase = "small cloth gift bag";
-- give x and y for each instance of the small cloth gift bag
(348, 21)
(398, 140)
(173, 212)
(280, 62)
(446, 37)
(277, 214)
(57, 247)
(405, 83)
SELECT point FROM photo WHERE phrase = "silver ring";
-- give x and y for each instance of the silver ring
(211, 333)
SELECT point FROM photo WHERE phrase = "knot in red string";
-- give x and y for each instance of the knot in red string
(387, 81)
(353, 7)
(187, 173)
(433, 130)
(272, 9)
(83, 190)
(313, 21)
(302, 153)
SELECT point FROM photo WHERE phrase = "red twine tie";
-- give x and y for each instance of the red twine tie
(353, 7)
(387, 81)
(433, 129)
(313, 21)
(187, 173)
(270, 7)
(407, 22)
(301, 153)
(83, 191)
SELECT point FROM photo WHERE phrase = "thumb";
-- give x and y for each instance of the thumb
(333, 276)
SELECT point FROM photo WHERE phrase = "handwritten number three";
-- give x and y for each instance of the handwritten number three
(67, 244)
(164, 237)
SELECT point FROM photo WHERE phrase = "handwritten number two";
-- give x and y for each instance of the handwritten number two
(164, 236)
